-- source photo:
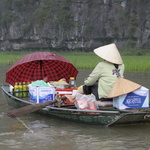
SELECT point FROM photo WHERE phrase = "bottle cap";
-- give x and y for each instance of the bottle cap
(71, 77)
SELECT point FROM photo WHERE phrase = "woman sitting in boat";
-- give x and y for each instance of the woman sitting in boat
(105, 74)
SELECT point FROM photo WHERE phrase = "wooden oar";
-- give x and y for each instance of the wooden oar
(28, 109)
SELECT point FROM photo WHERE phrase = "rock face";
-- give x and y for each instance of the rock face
(73, 24)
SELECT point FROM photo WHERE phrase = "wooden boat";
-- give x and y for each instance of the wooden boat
(102, 117)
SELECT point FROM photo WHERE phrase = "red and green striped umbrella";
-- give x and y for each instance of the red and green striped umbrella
(38, 65)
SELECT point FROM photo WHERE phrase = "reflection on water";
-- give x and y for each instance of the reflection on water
(65, 136)
(38, 132)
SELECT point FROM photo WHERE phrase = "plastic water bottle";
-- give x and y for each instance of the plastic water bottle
(11, 88)
(20, 90)
(24, 89)
(16, 90)
(72, 83)
(28, 83)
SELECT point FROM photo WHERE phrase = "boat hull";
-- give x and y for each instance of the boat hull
(100, 117)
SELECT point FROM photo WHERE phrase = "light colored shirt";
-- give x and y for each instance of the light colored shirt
(104, 74)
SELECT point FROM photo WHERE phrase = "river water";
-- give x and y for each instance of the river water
(35, 132)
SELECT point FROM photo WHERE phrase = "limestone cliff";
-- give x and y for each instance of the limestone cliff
(73, 24)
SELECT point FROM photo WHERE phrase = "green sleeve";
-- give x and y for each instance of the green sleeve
(94, 76)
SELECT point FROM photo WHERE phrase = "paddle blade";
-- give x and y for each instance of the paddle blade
(28, 109)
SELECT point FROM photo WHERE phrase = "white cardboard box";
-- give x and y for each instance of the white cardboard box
(136, 99)
(41, 94)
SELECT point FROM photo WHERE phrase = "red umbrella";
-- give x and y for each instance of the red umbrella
(39, 65)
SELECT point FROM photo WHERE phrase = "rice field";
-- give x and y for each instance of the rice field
(89, 61)
(137, 63)
(84, 60)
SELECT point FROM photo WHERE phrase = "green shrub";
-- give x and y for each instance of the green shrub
(7, 18)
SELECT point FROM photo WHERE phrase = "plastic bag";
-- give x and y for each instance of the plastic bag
(39, 83)
(85, 102)
(61, 84)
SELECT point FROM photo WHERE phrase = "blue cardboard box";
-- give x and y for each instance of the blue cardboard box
(136, 99)
(41, 94)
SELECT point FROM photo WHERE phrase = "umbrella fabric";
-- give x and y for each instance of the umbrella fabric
(38, 65)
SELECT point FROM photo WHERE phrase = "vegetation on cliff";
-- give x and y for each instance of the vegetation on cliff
(73, 24)
(38, 15)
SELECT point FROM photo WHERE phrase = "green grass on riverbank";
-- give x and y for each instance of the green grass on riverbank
(84, 60)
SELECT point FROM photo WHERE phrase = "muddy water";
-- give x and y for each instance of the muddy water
(41, 133)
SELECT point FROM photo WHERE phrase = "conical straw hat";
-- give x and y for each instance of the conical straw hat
(123, 86)
(109, 53)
